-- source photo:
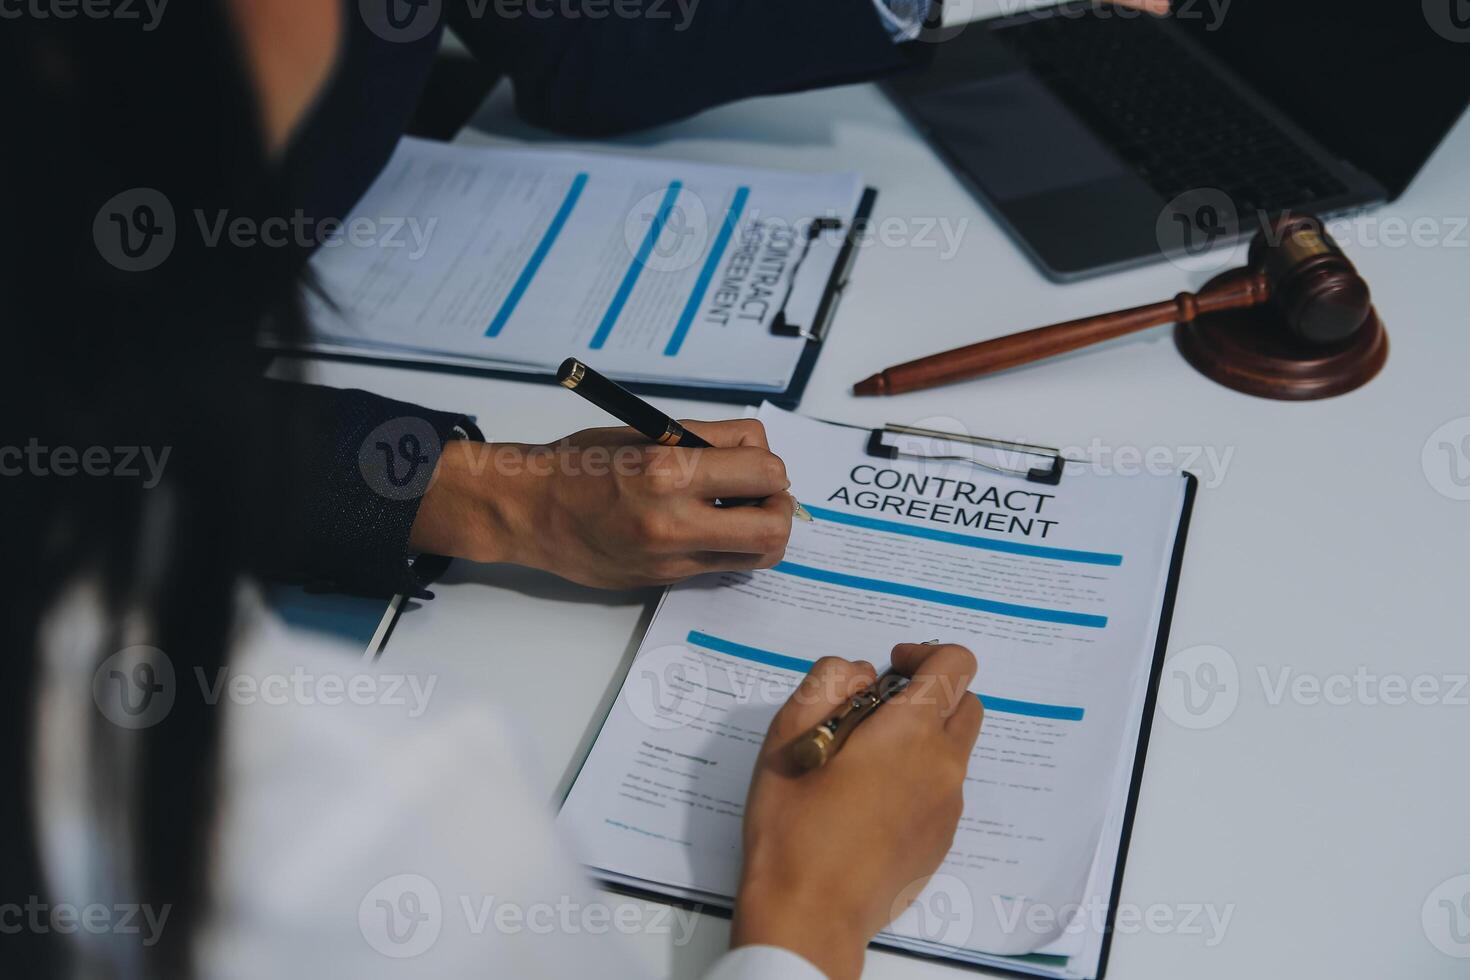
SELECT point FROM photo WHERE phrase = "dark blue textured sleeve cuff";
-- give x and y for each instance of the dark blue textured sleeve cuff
(360, 467)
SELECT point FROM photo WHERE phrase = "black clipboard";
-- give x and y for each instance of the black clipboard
(1135, 782)
(815, 334)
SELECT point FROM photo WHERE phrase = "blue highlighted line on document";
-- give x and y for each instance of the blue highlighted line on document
(630, 278)
(711, 263)
(1032, 709)
(968, 540)
(942, 598)
(518, 289)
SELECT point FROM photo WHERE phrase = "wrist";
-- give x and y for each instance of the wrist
(812, 926)
(473, 508)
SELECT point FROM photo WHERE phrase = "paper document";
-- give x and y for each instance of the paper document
(1056, 589)
(652, 270)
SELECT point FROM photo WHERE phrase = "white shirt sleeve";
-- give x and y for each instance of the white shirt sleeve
(402, 837)
(763, 963)
(903, 19)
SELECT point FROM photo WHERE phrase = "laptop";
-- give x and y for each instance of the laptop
(1104, 138)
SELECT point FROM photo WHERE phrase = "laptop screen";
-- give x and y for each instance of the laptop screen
(1378, 82)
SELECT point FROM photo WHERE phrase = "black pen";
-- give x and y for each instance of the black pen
(633, 411)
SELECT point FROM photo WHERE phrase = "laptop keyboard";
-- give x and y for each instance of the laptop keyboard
(1180, 128)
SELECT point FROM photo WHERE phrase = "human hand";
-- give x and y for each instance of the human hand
(606, 508)
(835, 854)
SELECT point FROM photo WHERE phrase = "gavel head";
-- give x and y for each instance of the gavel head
(1316, 289)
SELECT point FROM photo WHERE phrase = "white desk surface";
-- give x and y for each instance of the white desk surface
(1331, 543)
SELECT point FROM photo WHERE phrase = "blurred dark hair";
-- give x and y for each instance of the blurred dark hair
(102, 352)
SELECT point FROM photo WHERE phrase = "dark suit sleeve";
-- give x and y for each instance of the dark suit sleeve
(350, 133)
(358, 469)
(595, 76)
(580, 74)
(360, 463)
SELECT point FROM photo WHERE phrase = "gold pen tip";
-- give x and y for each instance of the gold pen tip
(799, 512)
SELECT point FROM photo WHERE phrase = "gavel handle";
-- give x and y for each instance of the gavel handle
(989, 356)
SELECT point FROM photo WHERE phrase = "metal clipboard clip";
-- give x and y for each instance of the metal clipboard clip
(880, 446)
(780, 325)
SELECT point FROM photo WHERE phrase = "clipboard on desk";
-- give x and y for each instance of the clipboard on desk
(813, 328)
(1071, 620)
(674, 278)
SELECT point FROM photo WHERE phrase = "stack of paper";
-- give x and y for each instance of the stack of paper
(652, 270)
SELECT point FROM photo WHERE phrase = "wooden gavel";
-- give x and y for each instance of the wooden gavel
(1317, 295)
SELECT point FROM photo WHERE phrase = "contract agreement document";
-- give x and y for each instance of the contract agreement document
(655, 271)
(1062, 592)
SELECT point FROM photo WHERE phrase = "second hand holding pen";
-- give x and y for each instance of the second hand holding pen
(814, 749)
(633, 411)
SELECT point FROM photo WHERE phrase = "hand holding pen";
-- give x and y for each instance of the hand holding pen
(654, 425)
(832, 855)
(814, 749)
(609, 507)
